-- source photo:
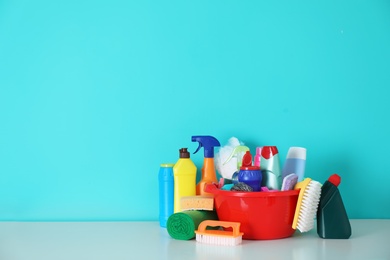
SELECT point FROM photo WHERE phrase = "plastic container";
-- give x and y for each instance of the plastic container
(295, 162)
(258, 156)
(209, 174)
(332, 218)
(270, 168)
(249, 174)
(263, 215)
(165, 181)
(184, 177)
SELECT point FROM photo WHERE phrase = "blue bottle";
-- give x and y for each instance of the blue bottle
(295, 162)
(165, 180)
(248, 174)
(251, 176)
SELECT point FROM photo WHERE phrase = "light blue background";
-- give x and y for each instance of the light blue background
(94, 95)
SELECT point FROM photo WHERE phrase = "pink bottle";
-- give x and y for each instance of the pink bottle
(258, 156)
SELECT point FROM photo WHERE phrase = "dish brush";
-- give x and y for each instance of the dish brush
(308, 200)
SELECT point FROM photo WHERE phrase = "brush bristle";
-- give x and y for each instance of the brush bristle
(219, 240)
(308, 210)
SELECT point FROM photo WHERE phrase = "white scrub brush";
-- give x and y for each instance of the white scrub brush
(308, 200)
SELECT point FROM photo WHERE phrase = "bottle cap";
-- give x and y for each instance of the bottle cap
(167, 165)
(247, 159)
(184, 153)
(297, 152)
(247, 162)
(268, 151)
(335, 179)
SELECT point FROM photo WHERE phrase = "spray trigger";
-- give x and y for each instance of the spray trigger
(236, 150)
(197, 149)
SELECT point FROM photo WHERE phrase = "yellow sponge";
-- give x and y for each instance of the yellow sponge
(199, 202)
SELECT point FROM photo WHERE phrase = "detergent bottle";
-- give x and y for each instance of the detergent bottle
(250, 174)
(270, 168)
(295, 162)
(332, 218)
(209, 174)
(184, 178)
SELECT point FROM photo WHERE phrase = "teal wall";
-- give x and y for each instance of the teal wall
(94, 95)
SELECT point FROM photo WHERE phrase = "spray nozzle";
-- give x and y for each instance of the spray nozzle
(237, 150)
(208, 142)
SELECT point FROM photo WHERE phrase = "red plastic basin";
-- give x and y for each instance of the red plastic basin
(263, 215)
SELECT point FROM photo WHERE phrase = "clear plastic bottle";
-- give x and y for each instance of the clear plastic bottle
(184, 176)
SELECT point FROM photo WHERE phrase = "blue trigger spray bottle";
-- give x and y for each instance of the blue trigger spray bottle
(209, 174)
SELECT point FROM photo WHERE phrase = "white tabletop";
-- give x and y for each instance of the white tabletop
(147, 240)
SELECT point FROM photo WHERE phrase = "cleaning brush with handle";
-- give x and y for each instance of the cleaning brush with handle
(308, 199)
(219, 237)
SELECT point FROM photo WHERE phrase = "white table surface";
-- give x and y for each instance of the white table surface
(147, 240)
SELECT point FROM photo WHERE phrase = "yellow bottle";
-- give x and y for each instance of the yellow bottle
(184, 178)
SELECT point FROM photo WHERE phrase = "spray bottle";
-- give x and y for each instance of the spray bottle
(237, 155)
(209, 174)
(184, 176)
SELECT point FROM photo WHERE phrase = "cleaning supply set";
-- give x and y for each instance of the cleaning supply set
(260, 203)
(191, 204)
